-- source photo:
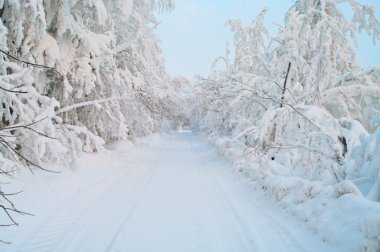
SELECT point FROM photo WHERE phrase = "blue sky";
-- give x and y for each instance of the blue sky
(194, 34)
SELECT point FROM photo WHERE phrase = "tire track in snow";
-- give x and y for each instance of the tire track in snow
(265, 229)
(139, 194)
(55, 232)
(131, 211)
(204, 173)
(249, 224)
(176, 178)
(130, 194)
(260, 218)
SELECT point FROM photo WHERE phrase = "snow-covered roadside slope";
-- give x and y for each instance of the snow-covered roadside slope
(340, 213)
(171, 194)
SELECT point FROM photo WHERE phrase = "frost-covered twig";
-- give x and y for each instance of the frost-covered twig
(352, 90)
(18, 156)
(16, 126)
(31, 64)
(13, 91)
(20, 125)
(299, 146)
(9, 208)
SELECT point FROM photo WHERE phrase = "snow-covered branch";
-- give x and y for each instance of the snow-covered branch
(90, 103)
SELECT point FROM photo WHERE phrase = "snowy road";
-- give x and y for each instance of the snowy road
(173, 194)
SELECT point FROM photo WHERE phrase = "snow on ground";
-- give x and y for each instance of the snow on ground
(172, 193)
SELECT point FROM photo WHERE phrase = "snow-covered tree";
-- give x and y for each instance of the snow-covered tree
(77, 74)
(90, 51)
(308, 125)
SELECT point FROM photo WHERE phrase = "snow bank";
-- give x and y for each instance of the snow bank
(339, 213)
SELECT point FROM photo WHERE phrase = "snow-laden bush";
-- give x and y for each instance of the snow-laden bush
(324, 208)
(28, 134)
(296, 100)
(364, 166)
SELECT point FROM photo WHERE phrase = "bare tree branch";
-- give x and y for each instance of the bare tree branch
(284, 89)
